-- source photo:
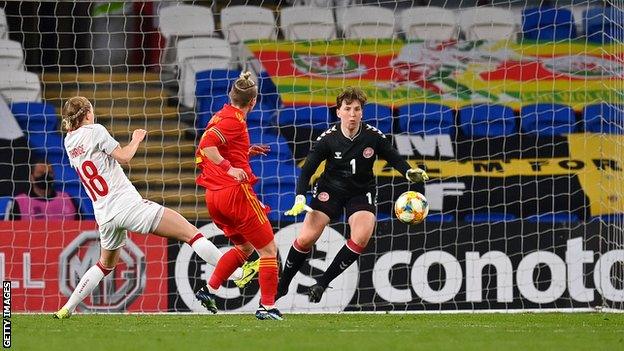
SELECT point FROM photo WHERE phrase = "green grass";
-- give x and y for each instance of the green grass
(334, 332)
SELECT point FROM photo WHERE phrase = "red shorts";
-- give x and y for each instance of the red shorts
(237, 211)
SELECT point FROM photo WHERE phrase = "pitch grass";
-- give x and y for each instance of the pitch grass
(334, 332)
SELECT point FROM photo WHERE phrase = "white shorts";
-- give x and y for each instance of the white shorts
(141, 217)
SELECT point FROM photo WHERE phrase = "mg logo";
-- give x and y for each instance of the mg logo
(117, 290)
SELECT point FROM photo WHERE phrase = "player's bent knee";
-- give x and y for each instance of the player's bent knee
(247, 249)
(269, 250)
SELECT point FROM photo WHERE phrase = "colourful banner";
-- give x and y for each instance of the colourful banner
(44, 260)
(397, 73)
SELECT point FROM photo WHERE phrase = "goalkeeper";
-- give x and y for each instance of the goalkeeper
(350, 148)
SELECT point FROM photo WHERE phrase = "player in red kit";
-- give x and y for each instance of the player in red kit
(223, 158)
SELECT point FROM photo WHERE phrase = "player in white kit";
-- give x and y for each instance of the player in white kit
(118, 206)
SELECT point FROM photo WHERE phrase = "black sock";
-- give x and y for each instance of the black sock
(293, 262)
(343, 260)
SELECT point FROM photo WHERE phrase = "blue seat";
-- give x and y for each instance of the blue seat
(604, 25)
(489, 217)
(604, 118)
(260, 116)
(316, 117)
(213, 80)
(548, 23)
(547, 119)
(487, 121)
(278, 144)
(426, 118)
(379, 116)
(211, 91)
(279, 196)
(269, 97)
(35, 116)
(6, 203)
(47, 144)
(273, 170)
(554, 217)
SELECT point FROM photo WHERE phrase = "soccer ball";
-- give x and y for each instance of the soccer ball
(411, 207)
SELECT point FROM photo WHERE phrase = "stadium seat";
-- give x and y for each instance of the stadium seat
(4, 28)
(487, 121)
(260, 118)
(46, 143)
(426, 118)
(6, 203)
(195, 55)
(278, 144)
(279, 197)
(604, 118)
(35, 116)
(268, 95)
(604, 25)
(20, 86)
(554, 217)
(379, 116)
(277, 185)
(547, 119)
(489, 217)
(183, 21)
(316, 117)
(271, 169)
(11, 55)
(548, 24)
(367, 22)
(429, 23)
(211, 92)
(307, 23)
(487, 23)
(246, 22)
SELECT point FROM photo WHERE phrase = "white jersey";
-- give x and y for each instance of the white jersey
(89, 148)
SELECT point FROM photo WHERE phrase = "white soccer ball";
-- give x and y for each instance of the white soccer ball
(411, 207)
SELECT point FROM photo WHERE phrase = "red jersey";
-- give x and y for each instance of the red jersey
(227, 130)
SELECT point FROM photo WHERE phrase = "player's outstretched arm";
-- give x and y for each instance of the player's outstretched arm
(126, 153)
(391, 155)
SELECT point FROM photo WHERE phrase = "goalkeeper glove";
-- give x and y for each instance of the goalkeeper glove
(416, 175)
(299, 206)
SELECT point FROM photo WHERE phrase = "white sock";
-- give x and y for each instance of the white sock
(205, 249)
(87, 283)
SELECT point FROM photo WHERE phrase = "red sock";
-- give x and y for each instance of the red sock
(227, 264)
(268, 280)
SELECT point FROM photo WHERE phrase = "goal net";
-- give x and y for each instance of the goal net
(514, 109)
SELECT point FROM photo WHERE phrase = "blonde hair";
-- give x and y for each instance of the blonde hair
(243, 91)
(74, 112)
